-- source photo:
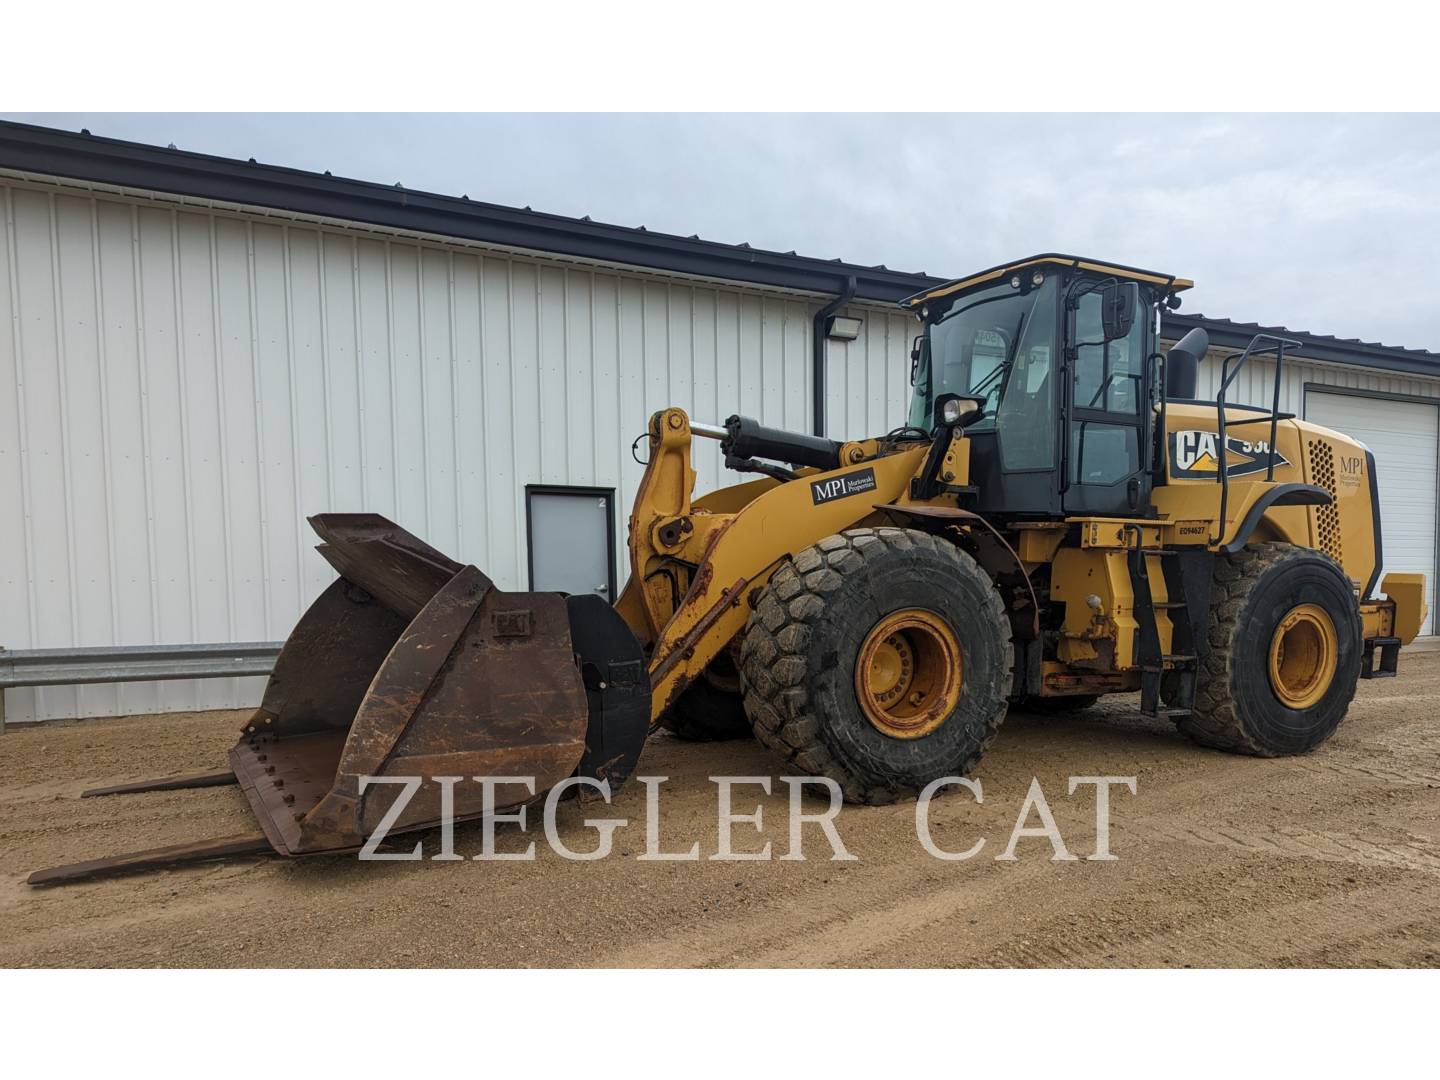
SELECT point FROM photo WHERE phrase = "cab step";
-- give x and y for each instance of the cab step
(1187, 579)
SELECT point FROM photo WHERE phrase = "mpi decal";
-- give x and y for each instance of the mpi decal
(839, 487)
(1350, 469)
(1196, 454)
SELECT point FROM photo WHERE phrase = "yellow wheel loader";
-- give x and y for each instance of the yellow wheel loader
(1059, 517)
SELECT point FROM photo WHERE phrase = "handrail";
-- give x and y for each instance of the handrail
(1159, 451)
(1227, 376)
(132, 663)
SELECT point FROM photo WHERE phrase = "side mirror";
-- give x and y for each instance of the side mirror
(1182, 364)
(917, 350)
(1119, 301)
(958, 410)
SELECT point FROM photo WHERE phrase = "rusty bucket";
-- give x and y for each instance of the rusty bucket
(413, 666)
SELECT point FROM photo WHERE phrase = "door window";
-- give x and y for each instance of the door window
(1107, 406)
(1102, 453)
(1107, 373)
(1026, 415)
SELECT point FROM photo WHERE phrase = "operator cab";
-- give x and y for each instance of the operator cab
(1060, 349)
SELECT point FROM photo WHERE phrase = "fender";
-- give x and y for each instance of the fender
(1375, 524)
(956, 514)
(1279, 495)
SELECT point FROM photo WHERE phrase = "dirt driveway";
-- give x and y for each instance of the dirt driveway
(1330, 859)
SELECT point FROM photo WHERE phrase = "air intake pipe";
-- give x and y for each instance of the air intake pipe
(747, 438)
(1182, 365)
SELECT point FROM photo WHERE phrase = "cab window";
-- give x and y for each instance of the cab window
(974, 347)
(1026, 413)
(1108, 374)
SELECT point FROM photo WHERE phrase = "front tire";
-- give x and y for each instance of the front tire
(880, 658)
(1284, 660)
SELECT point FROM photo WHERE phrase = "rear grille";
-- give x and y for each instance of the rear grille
(1322, 468)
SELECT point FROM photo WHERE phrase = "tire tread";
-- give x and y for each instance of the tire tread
(1216, 719)
(774, 652)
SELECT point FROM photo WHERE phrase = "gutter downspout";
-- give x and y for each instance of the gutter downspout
(817, 357)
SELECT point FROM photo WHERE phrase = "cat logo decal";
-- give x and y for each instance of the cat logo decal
(1195, 455)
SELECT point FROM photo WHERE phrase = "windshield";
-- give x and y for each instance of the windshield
(976, 348)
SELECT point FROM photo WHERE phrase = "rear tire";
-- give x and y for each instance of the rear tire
(1284, 634)
(709, 710)
(822, 611)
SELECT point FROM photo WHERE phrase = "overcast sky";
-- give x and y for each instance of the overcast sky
(1321, 223)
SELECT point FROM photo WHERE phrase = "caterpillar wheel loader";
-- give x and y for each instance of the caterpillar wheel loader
(1060, 517)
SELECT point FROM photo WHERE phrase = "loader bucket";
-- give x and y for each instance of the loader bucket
(410, 669)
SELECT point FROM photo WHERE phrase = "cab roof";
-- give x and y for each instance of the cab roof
(985, 277)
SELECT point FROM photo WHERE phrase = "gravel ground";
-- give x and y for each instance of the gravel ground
(1332, 859)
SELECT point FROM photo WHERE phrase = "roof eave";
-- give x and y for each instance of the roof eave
(1229, 335)
(111, 161)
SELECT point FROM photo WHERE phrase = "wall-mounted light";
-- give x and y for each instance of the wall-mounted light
(843, 327)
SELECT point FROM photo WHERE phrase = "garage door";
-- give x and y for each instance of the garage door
(1403, 437)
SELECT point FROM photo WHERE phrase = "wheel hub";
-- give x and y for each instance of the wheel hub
(908, 674)
(1304, 654)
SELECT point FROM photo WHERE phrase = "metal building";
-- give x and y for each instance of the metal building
(201, 351)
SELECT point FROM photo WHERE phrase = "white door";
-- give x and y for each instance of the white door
(1403, 437)
(570, 541)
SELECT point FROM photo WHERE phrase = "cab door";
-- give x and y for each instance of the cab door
(1107, 409)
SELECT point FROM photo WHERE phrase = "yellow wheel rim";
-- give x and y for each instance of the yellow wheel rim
(1303, 656)
(908, 674)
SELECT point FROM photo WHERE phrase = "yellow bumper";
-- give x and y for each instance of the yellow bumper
(1407, 593)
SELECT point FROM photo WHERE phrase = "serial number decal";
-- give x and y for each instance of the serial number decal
(842, 487)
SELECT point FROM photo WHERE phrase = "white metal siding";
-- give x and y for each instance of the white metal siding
(867, 381)
(180, 387)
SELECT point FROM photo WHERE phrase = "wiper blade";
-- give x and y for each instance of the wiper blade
(1009, 360)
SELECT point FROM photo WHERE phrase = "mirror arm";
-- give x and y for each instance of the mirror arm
(925, 486)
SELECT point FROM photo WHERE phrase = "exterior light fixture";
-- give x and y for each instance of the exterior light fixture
(843, 327)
